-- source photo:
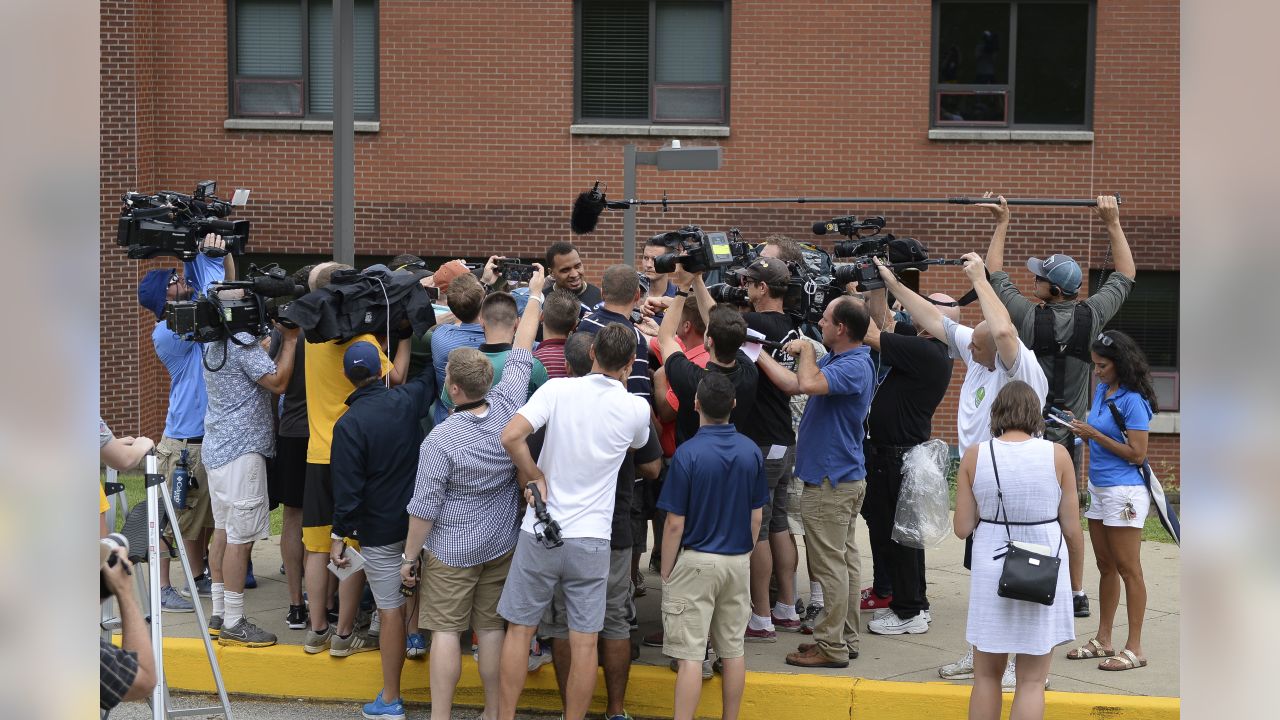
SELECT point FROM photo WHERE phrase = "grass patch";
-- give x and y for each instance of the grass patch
(136, 491)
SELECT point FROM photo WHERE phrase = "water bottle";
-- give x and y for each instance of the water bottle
(181, 481)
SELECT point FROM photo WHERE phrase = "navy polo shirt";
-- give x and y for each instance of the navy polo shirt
(829, 440)
(715, 480)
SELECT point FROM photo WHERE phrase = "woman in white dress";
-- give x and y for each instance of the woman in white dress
(1039, 490)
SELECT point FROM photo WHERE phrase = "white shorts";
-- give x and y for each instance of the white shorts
(238, 494)
(1111, 505)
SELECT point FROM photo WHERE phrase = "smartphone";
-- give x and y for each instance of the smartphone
(515, 271)
(1059, 416)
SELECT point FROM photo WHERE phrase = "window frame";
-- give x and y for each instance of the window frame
(1172, 373)
(1010, 121)
(233, 77)
(726, 93)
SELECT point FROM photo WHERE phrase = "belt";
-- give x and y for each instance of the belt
(881, 448)
(190, 441)
(1016, 523)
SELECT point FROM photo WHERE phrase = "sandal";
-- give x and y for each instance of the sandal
(1090, 650)
(1126, 660)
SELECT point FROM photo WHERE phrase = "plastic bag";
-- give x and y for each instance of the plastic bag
(923, 517)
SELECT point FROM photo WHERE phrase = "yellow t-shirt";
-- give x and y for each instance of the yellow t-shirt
(103, 505)
(327, 392)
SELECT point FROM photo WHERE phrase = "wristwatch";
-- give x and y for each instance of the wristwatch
(406, 561)
(682, 293)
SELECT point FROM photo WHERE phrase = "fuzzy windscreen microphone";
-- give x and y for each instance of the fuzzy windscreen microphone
(586, 210)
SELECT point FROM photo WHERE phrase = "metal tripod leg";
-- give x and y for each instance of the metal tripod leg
(157, 492)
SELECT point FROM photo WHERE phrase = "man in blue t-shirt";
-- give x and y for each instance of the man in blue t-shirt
(829, 459)
(713, 496)
(184, 421)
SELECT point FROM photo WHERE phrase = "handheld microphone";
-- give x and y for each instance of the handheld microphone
(586, 210)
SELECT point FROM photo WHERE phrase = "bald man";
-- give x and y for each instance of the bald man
(901, 417)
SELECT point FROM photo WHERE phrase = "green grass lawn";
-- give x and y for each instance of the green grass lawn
(136, 492)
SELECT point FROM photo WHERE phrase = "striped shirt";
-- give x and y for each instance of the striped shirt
(117, 671)
(551, 354)
(639, 382)
(466, 483)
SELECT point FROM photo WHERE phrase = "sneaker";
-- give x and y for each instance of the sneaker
(653, 639)
(872, 601)
(624, 716)
(246, 634)
(810, 619)
(354, 643)
(1009, 680)
(882, 612)
(1081, 605)
(297, 617)
(760, 636)
(379, 710)
(538, 655)
(415, 646)
(171, 601)
(637, 579)
(250, 582)
(708, 668)
(204, 587)
(786, 624)
(891, 624)
(317, 642)
(961, 669)
(215, 626)
(799, 606)
(928, 616)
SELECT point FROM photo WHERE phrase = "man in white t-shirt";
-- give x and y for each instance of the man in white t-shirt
(591, 423)
(993, 355)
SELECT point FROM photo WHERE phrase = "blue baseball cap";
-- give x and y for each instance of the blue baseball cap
(153, 290)
(1059, 270)
(362, 354)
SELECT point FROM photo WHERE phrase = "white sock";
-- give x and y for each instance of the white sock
(1077, 593)
(235, 609)
(760, 622)
(785, 612)
(218, 591)
(815, 593)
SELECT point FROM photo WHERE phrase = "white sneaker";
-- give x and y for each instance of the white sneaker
(891, 624)
(961, 669)
(928, 616)
(877, 614)
(1009, 681)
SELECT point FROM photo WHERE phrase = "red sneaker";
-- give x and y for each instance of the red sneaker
(760, 636)
(872, 601)
(785, 625)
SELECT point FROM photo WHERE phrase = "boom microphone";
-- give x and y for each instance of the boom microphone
(586, 210)
(822, 227)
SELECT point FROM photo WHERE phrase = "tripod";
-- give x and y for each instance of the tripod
(160, 702)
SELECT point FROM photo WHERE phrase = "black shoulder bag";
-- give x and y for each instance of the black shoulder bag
(1026, 575)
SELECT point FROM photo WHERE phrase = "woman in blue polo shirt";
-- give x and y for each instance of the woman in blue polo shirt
(1118, 496)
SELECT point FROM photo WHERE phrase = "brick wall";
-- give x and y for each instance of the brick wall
(474, 153)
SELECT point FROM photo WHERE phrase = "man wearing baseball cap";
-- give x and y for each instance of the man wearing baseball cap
(1060, 327)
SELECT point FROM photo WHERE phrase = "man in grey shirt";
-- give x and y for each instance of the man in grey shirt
(1063, 354)
(239, 436)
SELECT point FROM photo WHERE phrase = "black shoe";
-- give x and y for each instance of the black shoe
(297, 617)
(1081, 604)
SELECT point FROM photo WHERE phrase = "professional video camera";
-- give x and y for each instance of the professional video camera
(211, 318)
(171, 223)
(697, 251)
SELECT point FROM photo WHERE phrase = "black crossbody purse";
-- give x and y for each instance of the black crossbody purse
(1027, 575)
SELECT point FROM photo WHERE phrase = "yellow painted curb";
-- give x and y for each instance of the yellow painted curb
(286, 671)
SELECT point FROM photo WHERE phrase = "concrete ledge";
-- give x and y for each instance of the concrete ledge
(295, 125)
(652, 130)
(1166, 423)
(1011, 135)
(285, 671)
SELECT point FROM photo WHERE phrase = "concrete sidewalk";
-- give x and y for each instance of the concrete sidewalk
(900, 658)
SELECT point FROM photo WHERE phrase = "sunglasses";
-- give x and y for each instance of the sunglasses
(175, 278)
(1105, 339)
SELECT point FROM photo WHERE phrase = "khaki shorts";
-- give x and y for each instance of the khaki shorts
(795, 491)
(239, 497)
(198, 514)
(454, 599)
(708, 596)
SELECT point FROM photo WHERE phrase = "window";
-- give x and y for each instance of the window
(281, 58)
(1150, 317)
(642, 61)
(1022, 64)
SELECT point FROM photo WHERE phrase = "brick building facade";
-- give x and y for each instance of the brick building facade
(477, 146)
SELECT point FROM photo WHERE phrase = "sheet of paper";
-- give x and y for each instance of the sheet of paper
(357, 562)
(1034, 547)
(776, 452)
(752, 347)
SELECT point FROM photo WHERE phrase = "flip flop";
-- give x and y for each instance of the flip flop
(1090, 650)
(1126, 660)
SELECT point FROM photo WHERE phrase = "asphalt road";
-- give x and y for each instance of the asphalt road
(288, 710)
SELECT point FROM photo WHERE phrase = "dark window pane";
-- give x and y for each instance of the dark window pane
(269, 38)
(320, 58)
(973, 43)
(269, 97)
(690, 42)
(971, 107)
(682, 103)
(1150, 316)
(615, 60)
(1052, 63)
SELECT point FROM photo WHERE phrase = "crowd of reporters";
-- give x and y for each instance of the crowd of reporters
(422, 458)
